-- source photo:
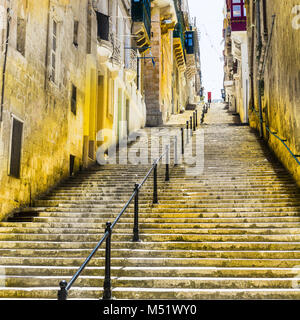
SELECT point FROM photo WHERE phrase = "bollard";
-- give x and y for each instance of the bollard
(182, 141)
(187, 132)
(194, 122)
(63, 292)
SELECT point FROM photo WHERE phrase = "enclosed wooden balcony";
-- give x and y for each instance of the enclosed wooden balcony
(141, 18)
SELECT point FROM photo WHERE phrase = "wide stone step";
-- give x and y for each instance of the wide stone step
(153, 282)
(160, 224)
(153, 293)
(67, 273)
(152, 261)
(184, 196)
(154, 237)
(167, 245)
(167, 218)
(229, 210)
(178, 231)
(176, 202)
(142, 253)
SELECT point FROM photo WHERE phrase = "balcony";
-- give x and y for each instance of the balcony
(131, 60)
(238, 16)
(141, 18)
(114, 64)
(178, 41)
(116, 44)
(191, 67)
(105, 46)
(190, 42)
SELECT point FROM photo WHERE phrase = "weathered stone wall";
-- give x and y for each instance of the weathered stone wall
(152, 76)
(281, 94)
(51, 131)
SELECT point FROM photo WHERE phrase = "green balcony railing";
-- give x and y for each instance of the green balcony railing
(141, 12)
(178, 33)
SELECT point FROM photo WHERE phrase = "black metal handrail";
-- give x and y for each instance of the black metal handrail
(107, 293)
(275, 134)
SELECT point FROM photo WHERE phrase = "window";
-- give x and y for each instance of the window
(21, 35)
(189, 42)
(102, 26)
(75, 33)
(54, 51)
(91, 149)
(237, 11)
(74, 99)
(15, 148)
(72, 163)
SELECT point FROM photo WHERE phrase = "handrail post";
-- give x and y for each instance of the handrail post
(167, 164)
(176, 151)
(197, 118)
(63, 292)
(136, 214)
(187, 132)
(191, 125)
(194, 122)
(107, 280)
(182, 140)
(155, 198)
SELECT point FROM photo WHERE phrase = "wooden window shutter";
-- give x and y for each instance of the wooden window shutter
(74, 99)
(16, 146)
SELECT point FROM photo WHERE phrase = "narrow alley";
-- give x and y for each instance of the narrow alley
(149, 150)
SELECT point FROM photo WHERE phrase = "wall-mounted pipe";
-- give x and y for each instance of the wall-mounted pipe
(4, 64)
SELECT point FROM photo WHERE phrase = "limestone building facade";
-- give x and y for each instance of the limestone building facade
(274, 41)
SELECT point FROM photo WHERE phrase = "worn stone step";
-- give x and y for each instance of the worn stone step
(153, 282)
(164, 218)
(152, 261)
(64, 272)
(155, 237)
(143, 253)
(144, 224)
(150, 245)
(177, 231)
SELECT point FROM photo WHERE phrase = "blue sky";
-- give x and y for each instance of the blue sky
(209, 16)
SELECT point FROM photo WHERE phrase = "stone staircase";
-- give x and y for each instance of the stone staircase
(231, 232)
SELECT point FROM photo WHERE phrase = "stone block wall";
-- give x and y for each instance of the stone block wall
(281, 76)
(51, 132)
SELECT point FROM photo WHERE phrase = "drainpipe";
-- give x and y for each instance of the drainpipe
(47, 47)
(259, 82)
(4, 63)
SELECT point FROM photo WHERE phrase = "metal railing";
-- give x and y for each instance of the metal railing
(116, 43)
(131, 60)
(107, 292)
(275, 134)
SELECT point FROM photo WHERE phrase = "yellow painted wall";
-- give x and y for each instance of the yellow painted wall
(51, 131)
(281, 100)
